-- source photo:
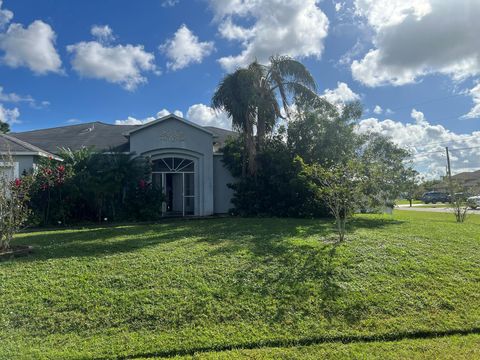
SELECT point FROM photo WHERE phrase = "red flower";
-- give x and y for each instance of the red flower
(18, 182)
(142, 184)
(61, 168)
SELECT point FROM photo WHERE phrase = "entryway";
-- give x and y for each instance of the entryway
(176, 177)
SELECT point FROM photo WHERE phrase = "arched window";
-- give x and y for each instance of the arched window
(173, 164)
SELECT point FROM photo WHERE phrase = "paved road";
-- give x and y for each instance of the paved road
(417, 207)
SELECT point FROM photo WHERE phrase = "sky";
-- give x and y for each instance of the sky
(414, 64)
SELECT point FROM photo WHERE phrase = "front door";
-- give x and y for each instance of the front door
(176, 178)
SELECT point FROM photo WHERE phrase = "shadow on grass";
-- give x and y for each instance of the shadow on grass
(389, 337)
(286, 259)
(262, 236)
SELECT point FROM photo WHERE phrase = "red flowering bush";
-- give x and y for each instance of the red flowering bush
(89, 186)
(14, 209)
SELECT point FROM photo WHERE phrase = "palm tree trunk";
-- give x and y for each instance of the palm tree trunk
(244, 157)
(251, 148)
(260, 133)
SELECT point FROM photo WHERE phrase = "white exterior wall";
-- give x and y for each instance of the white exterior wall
(222, 194)
(172, 137)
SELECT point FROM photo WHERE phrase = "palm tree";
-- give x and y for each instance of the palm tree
(282, 79)
(251, 97)
(236, 96)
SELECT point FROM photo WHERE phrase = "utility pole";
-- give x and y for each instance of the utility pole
(449, 172)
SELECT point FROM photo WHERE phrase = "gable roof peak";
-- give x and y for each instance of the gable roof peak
(167, 117)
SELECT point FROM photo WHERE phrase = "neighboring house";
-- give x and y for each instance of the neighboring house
(469, 180)
(187, 162)
(17, 156)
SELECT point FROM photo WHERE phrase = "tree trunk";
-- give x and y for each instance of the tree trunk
(244, 157)
(250, 143)
(260, 133)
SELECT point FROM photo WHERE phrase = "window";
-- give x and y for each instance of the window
(173, 164)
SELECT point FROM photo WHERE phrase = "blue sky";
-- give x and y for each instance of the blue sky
(417, 62)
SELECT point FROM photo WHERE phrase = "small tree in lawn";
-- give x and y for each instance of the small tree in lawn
(14, 211)
(409, 181)
(458, 202)
(341, 188)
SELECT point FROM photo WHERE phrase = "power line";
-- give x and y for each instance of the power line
(449, 141)
(442, 151)
(467, 148)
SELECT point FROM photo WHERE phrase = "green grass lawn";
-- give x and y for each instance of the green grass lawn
(246, 288)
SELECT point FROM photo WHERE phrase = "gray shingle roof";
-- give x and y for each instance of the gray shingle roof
(220, 135)
(10, 144)
(97, 135)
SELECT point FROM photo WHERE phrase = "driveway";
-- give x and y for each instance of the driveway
(421, 207)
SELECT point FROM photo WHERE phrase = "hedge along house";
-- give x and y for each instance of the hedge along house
(186, 158)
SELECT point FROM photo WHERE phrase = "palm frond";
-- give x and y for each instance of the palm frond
(289, 69)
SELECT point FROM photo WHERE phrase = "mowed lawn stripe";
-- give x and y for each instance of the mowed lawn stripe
(447, 348)
(184, 285)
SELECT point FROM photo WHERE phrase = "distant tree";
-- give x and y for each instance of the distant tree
(385, 167)
(410, 182)
(428, 185)
(4, 127)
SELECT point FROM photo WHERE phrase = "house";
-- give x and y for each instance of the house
(186, 157)
(468, 180)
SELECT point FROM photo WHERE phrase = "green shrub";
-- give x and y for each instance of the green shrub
(89, 186)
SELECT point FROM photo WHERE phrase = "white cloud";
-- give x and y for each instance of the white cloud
(9, 115)
(338, 6)
(413, 38)
(230, 31)
(475, 111)
(15, 98)
(384, 13)
(120, 64)
(427, 143)
(419, 117)
(184, 49)
(206, 116)
(5, 16)
(169, 3)
(378, 109)
(103, 34)
(130, 120)
(33, 47)
(296, 28)
(341, 95)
